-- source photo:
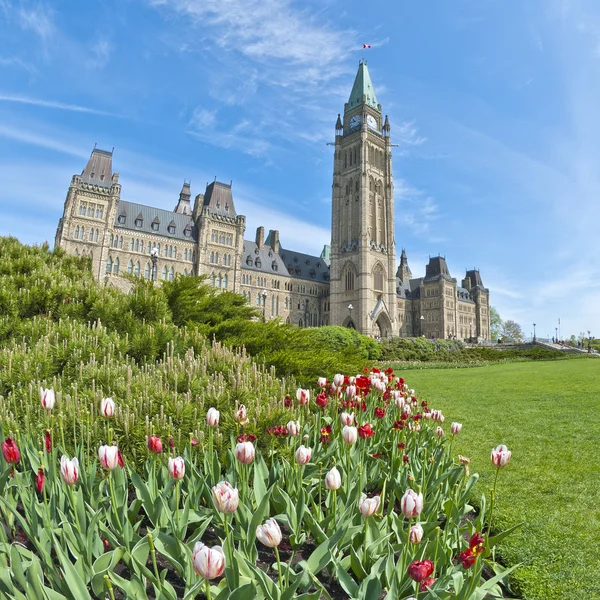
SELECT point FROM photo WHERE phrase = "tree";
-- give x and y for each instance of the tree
(495, 323)
(511, 330)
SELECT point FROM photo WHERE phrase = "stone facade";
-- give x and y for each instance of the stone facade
(354, 282)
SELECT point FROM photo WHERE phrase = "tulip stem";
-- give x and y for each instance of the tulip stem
(154, 565)
(208, 594)
(113, 500)
(365, 562)
(72, 494)
(348, 474)
(109, 586)
(279, 573)
(334, 503)
(177, 495)
(493, 502)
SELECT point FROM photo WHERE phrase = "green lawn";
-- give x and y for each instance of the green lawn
(548, 414)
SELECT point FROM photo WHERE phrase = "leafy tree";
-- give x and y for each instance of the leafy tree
(495, 323)
(511, 330)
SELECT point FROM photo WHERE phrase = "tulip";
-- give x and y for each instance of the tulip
(411, 504)
(69, 470)
(241, 415)
(501, 456)
(349, 434)
(208, 562)
(269, 534)
(107, 407)
(338, 380)
(47, 398)
(212, 417)
(293, 428)
(225, 497)
(176, 468)
(109, 457)
(456, 428)
(48, 440)
(302, 396)
(303, 455)
(10, 451)
(426, 584)
(419, 570)
(333, 479)
(244, 452)
(369, 506)
(416, 534)
(347, 418)
(439, 431)
(40, 479)
(351, 391)
(322, 382)
(155, 444)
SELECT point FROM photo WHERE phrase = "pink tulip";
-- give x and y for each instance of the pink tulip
(302, 396)
(212, 417)
(416, 534)
(322, 382)
(176, 468)
(439, 431)
(244, 452)
(411, 504)
(347, 418)
(349, 434)
(208, 562)
(303, 455)
(369, 506)
(293, 428)
(338, 380)
(107, 407)
(501, 456)
(69, 469)
(241, 415)
(47, 398)
(351, 391)
(269, 534)
(456, 428)
(155, 444)
(225, 497)
(333, 479)
(109, 457)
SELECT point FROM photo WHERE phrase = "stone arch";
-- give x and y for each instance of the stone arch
(383, 325)
(378, 277)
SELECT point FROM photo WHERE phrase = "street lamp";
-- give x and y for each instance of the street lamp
(154, 259)
(350, 307)
(556, 331)
(534, 333)
(471, 332)
(589, 342)
(422, 319)
(264, 302)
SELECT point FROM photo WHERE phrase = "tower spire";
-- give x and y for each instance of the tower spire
(363, 91)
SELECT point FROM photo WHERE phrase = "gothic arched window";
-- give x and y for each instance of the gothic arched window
(147, 270)
(109, 264)
(116, 266)
(130, 267)
(137, 269)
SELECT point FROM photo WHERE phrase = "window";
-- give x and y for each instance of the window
(76, 234)
(122, 219)
(164, 273)
(212, 279)
(171, 274)
(120, 241)
(225, 281)
(155, 225)
(116, 267)
(90, 212)
(109, 264)
(96, 236)
(187, 231)
(76, 252)
(258, 263)
(185, 272)
(98, 213)
(137, 245)
(137, 269)
(171, 229)
(130, 267)
(248, 259)
(170, 251)
(131, 244)
(219, 280)
(101, 213)
(349, 280)
(139, 222)
(82, 210)
(147, 271)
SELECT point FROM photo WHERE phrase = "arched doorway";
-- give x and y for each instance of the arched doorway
(383, 326)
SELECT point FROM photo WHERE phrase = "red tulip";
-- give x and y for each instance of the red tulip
(48, 440)
(380, 412)
(40, 478)
(365, 431)
(10, 451)
(155, 444)
(419, 570)
(426, 584)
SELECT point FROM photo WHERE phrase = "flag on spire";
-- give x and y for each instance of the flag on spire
(365, 46)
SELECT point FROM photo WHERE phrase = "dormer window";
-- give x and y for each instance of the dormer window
(139, 221)
(257, 263)
(155, 225)
(122, 219)
(171, 229)
(274, 265)
(226, 207)
(249, 261)
(187, 231)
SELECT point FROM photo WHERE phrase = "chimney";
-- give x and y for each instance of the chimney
(198, 201)
(274, 239)
(260, 236)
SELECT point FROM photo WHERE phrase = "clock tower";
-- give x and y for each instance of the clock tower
(363, 255)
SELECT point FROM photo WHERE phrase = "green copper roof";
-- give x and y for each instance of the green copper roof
(362, 86)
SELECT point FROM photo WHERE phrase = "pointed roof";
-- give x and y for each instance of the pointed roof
(219, 199)
(98, 170)
(362, 88)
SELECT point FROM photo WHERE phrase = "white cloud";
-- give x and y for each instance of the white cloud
(56, 105)
(100, 53)
(21, 135)
(39, 20)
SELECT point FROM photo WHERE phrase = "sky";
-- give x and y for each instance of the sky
(494, 105)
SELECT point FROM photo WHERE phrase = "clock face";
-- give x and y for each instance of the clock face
(372, 122)
(354, 121)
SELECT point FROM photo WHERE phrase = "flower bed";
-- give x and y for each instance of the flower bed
(358, 495)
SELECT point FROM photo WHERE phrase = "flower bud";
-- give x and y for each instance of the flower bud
(109, 457)
(69, 470)
(333, 479)
(439, 432)
(244, 452)
(212, 417)
(155, 444)
(176, 468)
(411, 504)
(456, 428)
(349, 434)
(269, 534)
(338, 380)
(10, 451)
(416, 534)
(107, 407)
(419, 570)
(322, 382)
(302, 396)
(293, 428)
(501, 456)
(369, 506)
(47, 398)
(351, 391)
(40, 479)
(208, 562)
(347, 418)
(241, 415)
(225, 497)
(303, 455)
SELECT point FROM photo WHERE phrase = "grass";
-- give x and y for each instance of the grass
(548, 414)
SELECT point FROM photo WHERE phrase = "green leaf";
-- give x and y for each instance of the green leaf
(496, 539)
(76, 586)
(348, 584)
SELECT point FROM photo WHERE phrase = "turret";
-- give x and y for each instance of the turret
(403, 273)
(183, 206)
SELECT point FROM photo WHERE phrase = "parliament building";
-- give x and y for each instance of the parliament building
(355, 282)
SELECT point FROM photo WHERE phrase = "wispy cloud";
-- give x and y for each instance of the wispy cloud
(415, 209)
(15, 61)
(39, 20)
(56, 105)
(19, 134)
(100, 53)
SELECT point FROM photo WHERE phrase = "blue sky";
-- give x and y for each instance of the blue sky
(494, 105)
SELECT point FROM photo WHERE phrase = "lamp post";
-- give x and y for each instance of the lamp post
(534, 333)
(589, 342)
(264, 303)
(471, 332)
(422, 319)
(556, 332)
(154, 259)
(350, 307)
